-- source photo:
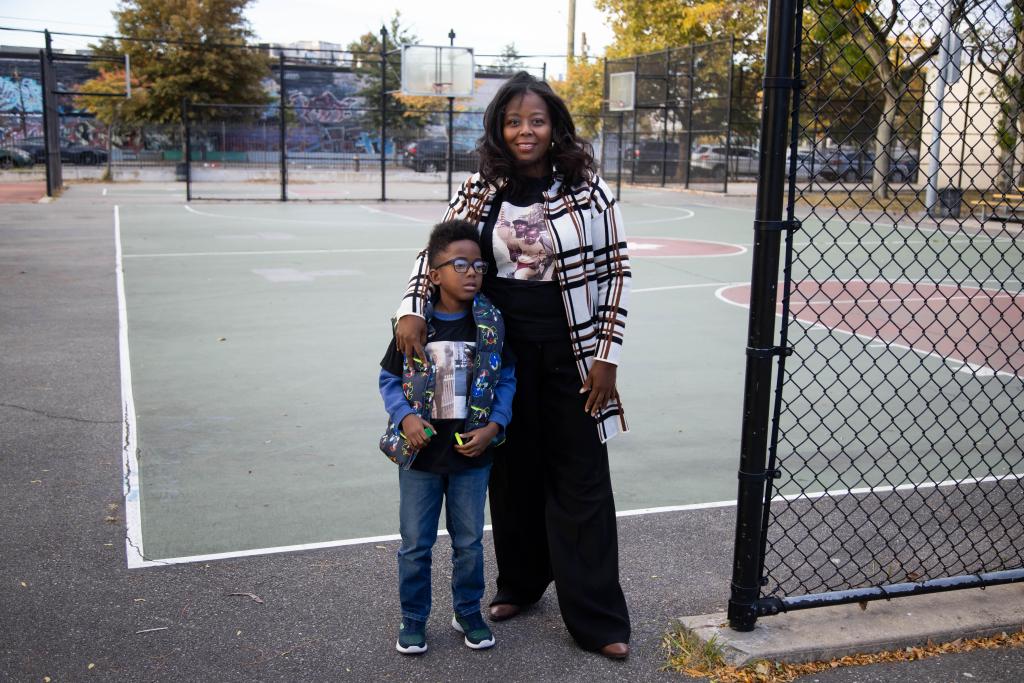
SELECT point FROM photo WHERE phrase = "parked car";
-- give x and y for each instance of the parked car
(711, 160)
(859, 165)
(649, 156)
(429, 155)
(12, 157)
(70, 153)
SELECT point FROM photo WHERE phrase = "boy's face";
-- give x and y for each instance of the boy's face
(458, 286)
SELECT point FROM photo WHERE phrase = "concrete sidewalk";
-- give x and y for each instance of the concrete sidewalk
(70, 610)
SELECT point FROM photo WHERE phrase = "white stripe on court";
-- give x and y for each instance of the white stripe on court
(285, 252)
(962, 365)
(396, 215)
(269, 219)
(690, 286)
(129, 431)
(623, 513)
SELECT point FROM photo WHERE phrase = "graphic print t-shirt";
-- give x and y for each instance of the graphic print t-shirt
(451, 347)
(522, 281)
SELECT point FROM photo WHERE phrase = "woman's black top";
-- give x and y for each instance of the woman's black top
(521, 279)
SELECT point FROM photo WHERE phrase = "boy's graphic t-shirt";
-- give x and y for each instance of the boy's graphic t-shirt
(451, 347)
(522, 281)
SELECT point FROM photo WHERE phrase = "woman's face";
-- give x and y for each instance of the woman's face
(526, 128)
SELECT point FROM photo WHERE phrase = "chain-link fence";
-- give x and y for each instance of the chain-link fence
(694, 120)
(889, 461)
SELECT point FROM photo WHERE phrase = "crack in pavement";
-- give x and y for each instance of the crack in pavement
(58, 417)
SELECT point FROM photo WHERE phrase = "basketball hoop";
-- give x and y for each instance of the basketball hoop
(437, 71)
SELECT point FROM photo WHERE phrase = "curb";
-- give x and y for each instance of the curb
(827, 633)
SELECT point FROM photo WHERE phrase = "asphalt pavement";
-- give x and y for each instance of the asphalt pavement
(70, 610)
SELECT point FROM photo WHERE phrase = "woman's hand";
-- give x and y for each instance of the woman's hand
(414, 429)
(600, 383)
(474, 443)
(410, 336)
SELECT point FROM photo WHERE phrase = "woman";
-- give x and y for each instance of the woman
(552, 234)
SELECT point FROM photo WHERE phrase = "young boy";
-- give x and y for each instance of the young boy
(451, 410)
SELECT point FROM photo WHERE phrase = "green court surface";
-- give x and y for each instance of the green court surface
(255, 332)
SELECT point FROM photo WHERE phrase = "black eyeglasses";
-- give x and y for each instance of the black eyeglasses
(462, 265)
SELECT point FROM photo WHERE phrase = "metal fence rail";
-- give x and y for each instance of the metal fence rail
(893, 461)
(695, 118)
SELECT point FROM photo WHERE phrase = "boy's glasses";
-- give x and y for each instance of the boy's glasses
(462, 265)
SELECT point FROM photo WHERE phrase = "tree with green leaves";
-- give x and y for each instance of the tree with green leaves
(994, 34)
(404, 121)
(583, 90)
(856, 37)
(178, 49)
(643, 26)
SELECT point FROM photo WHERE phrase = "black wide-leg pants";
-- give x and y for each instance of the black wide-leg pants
(551, 501)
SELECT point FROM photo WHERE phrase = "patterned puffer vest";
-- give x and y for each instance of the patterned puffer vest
(418, 383)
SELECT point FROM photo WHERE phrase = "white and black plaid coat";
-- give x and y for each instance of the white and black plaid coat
(591, 266)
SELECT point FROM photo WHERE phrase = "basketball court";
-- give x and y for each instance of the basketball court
(251, 335)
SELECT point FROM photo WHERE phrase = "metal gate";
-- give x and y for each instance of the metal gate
(883, 420)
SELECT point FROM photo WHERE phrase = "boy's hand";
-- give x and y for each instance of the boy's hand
(414, 428)
(410, 336)
(474, 443)
(601, 385)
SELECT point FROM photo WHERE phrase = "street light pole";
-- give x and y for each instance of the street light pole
(451, 119)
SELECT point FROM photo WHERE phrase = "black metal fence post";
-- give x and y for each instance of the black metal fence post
(664, 120)
(187, 151)
(778, 83)
(383, 112)
(284, 129)
(728, 114)
(451, 126)
(689, 119)
(618, 172)
(51, 120)
(46, 123)
(636, 87)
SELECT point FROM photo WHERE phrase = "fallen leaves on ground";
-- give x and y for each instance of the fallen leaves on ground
(688, 655)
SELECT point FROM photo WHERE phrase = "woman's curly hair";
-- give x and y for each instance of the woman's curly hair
(572, 156)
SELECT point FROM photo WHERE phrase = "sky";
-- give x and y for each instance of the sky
(534, 26)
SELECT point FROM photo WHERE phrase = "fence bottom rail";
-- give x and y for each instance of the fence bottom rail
(775, 605)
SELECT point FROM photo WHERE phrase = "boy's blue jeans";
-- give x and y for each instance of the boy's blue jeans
(421, 494)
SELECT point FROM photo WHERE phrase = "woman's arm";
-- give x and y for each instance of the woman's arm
(611, 261)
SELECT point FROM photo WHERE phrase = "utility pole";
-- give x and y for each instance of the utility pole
(570, 48)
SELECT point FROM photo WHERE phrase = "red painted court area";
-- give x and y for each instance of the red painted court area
(22, 193)
(980, 328)
(661, 246)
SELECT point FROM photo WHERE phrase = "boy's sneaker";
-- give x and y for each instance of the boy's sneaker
(412, 637)
(478, 636)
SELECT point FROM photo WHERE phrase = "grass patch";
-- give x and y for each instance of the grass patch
(687, 654)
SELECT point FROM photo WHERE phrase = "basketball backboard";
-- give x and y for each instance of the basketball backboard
(621, 89)
(431, 70)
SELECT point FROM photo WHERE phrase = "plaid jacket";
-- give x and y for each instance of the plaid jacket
(591, 265)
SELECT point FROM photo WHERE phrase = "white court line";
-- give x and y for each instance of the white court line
(623, 513)
(951, 231)
(689, 213)
(962, 365)
(395, 215)
(269, 219)
(104, 193)
(637, 253)
(129, 431)
(285, 252)
(690, 286)
(897, 300)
